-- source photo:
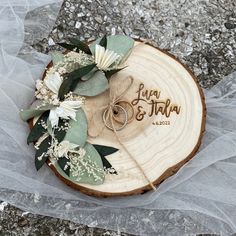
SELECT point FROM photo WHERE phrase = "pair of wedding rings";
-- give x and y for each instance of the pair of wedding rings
(115, 115)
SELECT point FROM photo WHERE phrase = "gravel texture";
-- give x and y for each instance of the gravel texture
(15, 222)
(201, 34)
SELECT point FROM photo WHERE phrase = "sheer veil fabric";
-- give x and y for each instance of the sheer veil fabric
(200, 198)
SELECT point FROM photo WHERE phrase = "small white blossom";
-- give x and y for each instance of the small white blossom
(79, 166)
(48, 89)
(64, 148)
(39, 84)
(53, 82)
(62, 70)
(40, 140)
(43, 91)
(81, 152)
(66, 110)
(40, 158)
(39, 96)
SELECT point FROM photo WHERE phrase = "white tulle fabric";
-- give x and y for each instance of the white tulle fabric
(200, 198)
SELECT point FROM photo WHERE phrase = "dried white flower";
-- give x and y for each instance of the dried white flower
(62, 70)
(79, 166)
(81, 152)
(39, 96)
(104, 58)
(40, 140)
(64, 148)
(43, 91)
(40, 158)
(39, 84)
(53, 81)
(66, 110)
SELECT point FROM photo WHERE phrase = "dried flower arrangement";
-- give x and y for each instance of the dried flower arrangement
(115, 135)
(59, 131)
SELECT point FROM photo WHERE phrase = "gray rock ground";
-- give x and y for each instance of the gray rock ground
(201, 34)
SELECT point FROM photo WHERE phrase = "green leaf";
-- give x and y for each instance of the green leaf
(36, 103)
(79, 73)
(62, 162)
(77, 133)
(109, 73)
(67, 46)
(72, 79)
(30, 113)
(103, 42)
(76, 44)
(38, 130)
(120, 44)
(57, 57)
(80, 45)
(40, 155)
(108, 167)
(95, 85)
(58, 132)
(49, 125)
(91, 156)
(64, 88)
(105, 150)
(90, 74)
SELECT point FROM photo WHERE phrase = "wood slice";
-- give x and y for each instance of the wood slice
(167, 128)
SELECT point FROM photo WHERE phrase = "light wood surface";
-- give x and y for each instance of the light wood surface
(160, 144)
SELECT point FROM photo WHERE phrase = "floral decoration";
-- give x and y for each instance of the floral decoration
(59, 131)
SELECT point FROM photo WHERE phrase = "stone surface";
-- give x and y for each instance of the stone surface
(201, 34)
(15, 222)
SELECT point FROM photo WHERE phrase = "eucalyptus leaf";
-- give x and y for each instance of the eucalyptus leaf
(120, 44)
(79, 73)
(41, 153)
(38, 130)
(30, 113)
(57, 57)
(72, 79)
(97, 84)
(63, 163)
(77, 132)
(36, 103)
(91, 156)
(90, 74)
